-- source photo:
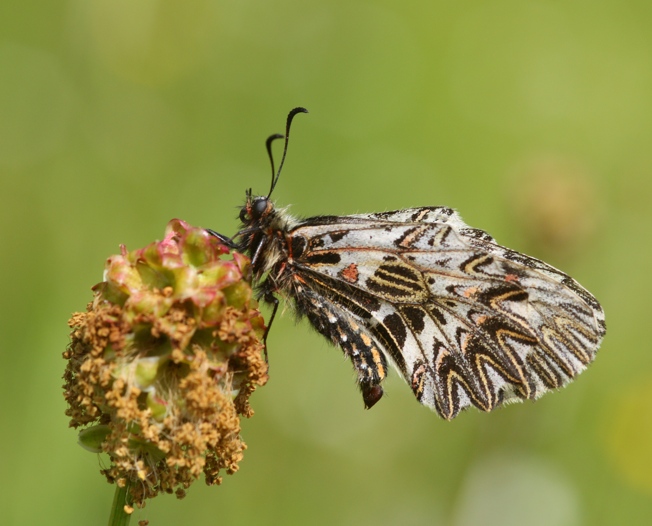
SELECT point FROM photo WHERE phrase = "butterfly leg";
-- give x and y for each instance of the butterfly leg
(225, 240)
(273, 300)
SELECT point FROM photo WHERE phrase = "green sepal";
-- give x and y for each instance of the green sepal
(91, 438)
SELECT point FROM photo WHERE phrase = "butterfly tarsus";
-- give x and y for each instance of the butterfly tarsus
(228, 241)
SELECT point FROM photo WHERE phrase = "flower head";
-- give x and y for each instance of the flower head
(163, 362)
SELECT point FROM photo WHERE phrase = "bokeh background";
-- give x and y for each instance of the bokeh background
(532, 118)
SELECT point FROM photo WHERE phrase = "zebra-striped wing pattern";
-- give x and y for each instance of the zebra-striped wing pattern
(464, 320)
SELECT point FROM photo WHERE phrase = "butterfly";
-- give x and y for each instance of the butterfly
(464, 320)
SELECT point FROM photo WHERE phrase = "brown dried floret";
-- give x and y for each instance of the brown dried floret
(161, 365)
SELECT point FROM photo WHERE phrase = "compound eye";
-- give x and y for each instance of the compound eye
(259, 207)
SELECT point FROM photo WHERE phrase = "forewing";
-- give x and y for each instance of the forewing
(465, 320)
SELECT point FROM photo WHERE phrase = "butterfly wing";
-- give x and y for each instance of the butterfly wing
(463, 319)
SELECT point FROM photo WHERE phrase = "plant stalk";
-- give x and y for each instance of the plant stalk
(119, 517)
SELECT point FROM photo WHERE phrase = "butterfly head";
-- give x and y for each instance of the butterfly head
(256, 210)
(260, 220)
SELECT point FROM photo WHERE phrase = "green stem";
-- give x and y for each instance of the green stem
(118, 516)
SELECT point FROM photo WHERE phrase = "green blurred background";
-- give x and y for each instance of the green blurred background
(531, 118)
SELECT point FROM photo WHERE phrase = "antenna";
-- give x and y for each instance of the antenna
(285, 148)
(268, 145)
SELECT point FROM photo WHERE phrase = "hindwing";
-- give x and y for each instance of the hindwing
(464, 320)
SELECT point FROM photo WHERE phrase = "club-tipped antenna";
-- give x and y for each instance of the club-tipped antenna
(268, 145)
(285, 147)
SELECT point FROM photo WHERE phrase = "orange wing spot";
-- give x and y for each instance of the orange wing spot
(379, 364)
(511, 277)
(471, 291)
(465, 339)
(418, 378)
(441, 354)
(350, 273)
